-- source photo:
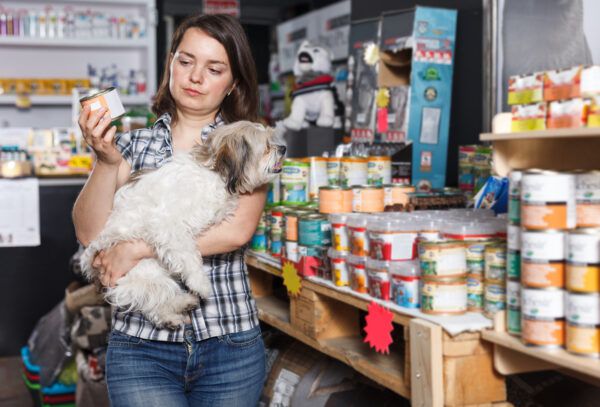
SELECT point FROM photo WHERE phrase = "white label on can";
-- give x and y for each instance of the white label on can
(445, 298)
(583, 309)
(354, 173)
(356, 199)
(587, 188)
(392, 245)
(514, 183)
(543, 246)
(318, 177)
(543, 303)
(583, 248)
(388, 199)
(513, 294)
(291, 251)
(513, 237)
(540, 188)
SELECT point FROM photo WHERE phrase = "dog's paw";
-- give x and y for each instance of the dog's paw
(171, 321)
(186, 302)
(199, 284)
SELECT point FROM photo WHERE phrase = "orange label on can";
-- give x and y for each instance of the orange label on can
(335, 201)
(584, 278)
(543, 332)
(538, 217)
(541, 275)
(588, 215)
(96, 103)
(291, 228)
(583, 339)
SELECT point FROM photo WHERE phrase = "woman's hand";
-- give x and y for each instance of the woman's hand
(115, 262)
(94, 126)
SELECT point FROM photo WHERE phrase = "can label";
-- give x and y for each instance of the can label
(274, 191)
(318, 176)
(494, 298)
(358, 278)
(513, 264)
(294, 182)
(587, 195)
(339, 272)
(474, 293)
(276, 223)
(276, 246)
(333, 171)
(513, 237)
(314, 232)
(475, 254)
(583, 309)
(548, 201)
(583, 262)
(379, 284)
(259, 241)
(359, 241)
(541, 332)
(513, 294)
(406, 291)
(546, 304)
(341, 241)
(291, 251)
(514, 209)
(442, 259)
(513, 321)
(353, 171)
(393, 245)
(444, 298)
(583, 340)
(379, 170)
(291, 227)
(542, 259)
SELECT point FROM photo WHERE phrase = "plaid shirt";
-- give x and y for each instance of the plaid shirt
(231, 308)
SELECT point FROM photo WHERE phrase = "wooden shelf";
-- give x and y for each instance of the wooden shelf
(82, 43)
(386, 370)
(542, 134)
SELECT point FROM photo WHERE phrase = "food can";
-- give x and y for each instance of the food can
(107, 98)
(391, 239)
(444, 295)
(494, 299)
(396, 194)
(548, 200)
(542, 258)
(379, 170)
(367, 198)
(405, 283)
(442, 259)
(317, 176)
(311, 251)
(276, 220)
(513, 252)
(474, 293)
(583, 260)
(514, 197)
(513, 294)
(294, 182)
(353, 171)
(314, 230)
(291, 226)
(259, 241)
(587, 196)
(276, 245)
(545, 304)
(378, 279)
(339, 232)
(358, 273)
(583, 324)
(475, 252)
(291, 251)
(334, 170)
(513, 320)
(334, 199)
(544, 333)
(357, 231)
(339, 268)
(583, 340)
(495, 263)
(274, 191)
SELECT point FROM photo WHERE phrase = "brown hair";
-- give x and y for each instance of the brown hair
(242, 103)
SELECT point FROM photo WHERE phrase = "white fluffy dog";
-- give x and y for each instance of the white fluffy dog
(169, 207)
(313, 99)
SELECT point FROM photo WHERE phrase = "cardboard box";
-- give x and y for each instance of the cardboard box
(526, 89)
(568, 114)
(528, 117)
(562, 83)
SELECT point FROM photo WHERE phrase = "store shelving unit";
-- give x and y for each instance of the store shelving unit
(427, 366)
(61, 100)
(82, 43)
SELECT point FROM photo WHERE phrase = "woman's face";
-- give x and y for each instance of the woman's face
(200, 73)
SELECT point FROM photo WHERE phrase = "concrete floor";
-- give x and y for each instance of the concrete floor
(13, 392)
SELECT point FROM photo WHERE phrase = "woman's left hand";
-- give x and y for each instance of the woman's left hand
(115, 262)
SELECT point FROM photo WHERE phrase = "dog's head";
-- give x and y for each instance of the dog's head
(311, 59)
(245, 154)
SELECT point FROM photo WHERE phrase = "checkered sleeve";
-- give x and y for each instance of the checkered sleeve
(123, 142)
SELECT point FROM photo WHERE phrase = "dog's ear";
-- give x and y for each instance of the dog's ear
(230, 161)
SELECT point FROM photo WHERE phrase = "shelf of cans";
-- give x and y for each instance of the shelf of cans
(554, 99)
(553, 260)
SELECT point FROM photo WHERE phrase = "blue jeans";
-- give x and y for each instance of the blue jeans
(226, 371)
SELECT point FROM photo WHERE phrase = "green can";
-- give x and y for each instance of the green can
(314, 230)
(513, 252)
(513, 321)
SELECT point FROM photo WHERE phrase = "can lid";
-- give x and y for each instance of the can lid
(313, 216)
(95, 94)
(338, 217)
(585, 231)
(365, 186)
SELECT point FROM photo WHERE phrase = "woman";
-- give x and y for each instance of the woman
(218, 358)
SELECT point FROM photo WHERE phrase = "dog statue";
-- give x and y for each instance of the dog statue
(169, 207)
(313, 96)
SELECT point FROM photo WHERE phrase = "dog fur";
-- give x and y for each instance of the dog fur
(169, 207)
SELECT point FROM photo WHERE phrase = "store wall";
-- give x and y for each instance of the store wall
(467, 90)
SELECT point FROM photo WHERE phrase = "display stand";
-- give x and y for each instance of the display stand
(425, 364)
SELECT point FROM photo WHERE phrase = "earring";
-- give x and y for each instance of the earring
(229, 93)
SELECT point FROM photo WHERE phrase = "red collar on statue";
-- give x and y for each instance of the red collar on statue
(319, 80)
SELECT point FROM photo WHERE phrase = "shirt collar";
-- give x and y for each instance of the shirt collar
(165, 121)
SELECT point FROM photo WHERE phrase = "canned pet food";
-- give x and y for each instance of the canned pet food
(291, 226)
(312, 251)
(548, 200)
(379, 170)
(583, 309)
(378, 278)
(475, 252)
(339, 268)
(359, 239)
(587, 196)
(367, 198)
(514, 197)
(291, 251)
(583, 324)
(396, 194)
(545, 304)
(513, 294)
(513, 252)
(259, 241)
(276, 220)
(442, 259)
(405, 284)
(274, 191)
(335, 199)
(444, 296)
(494, 299)
(495, 263)
(542, 258)
(317, 175)
(353, 171)
(583, 260)
(276, 245)
(474, 293)
(546, 333)
(391, 239)
(357, 273)
(513, 320)
(339, 232)
(314, 230)
(334, 170)
(109, 99)
(294, 182)
(583, 340)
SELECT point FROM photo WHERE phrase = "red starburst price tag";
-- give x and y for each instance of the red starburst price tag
(379, 328)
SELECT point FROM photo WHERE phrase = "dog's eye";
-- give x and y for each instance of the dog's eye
(316, 50)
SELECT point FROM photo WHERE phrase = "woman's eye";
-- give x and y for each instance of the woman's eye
(214, 71)
(183, 62)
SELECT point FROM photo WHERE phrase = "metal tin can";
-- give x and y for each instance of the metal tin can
(335, 199)
(317, 176)
(339, 268)
(583, 260)
(583, 340)
(291, 251)
(353, 171)
(274, 191)
(294, 182)
(475, 252)
(107, 98)
(545, 304)
(494, 298)
(583, 309)
(513, 320)
(495, 263)
(548, 200)
(358, 273)
(276, 246)
(379, 170)
(378, 278)
(314, 230)
(339, 232)
(334, 170)
(513, 252)
(444, 295)
(514, 197)
(367, 198)
(542, 258)
(291, 226)
(259, 241)
(442, 259)
(276, 220)
(396, 194)
(544, 333)
(513, 294)
(587, 196)
(474, 293)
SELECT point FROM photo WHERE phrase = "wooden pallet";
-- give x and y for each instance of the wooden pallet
(425, 364)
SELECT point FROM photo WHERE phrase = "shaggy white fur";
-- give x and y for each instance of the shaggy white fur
(169, 207)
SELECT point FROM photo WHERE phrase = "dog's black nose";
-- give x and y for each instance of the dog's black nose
(281, 149)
